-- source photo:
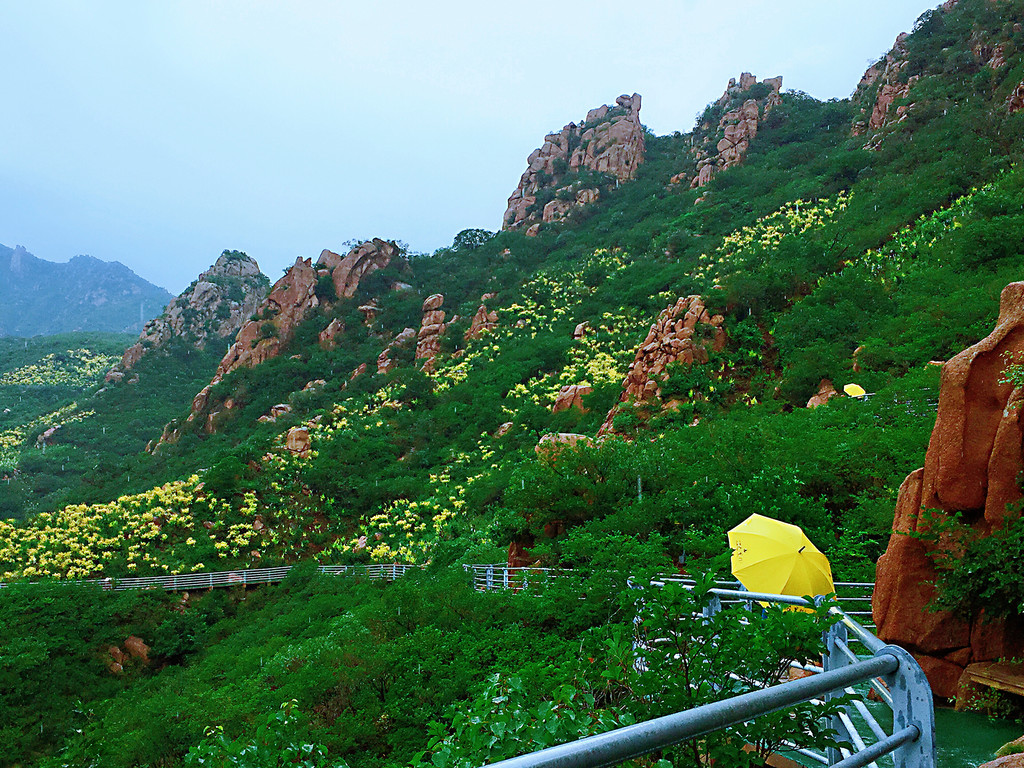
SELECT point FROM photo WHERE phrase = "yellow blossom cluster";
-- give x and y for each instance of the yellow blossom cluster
(72, 368)
(169, 529)
(11, 440)
(768, 232)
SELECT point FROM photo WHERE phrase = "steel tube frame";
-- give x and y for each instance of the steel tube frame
(613, 747)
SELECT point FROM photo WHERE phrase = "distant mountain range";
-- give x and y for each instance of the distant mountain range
(39, 298)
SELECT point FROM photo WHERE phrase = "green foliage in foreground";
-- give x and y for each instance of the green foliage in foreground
(333, 671)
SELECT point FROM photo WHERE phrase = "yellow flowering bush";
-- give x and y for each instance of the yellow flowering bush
(73, 368)
(169, 529)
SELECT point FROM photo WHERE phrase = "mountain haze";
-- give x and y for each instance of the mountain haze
(655, 346)
(41, 298)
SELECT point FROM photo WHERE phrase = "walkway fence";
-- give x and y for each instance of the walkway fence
(890, 671)
(389, 572)
(854, 596)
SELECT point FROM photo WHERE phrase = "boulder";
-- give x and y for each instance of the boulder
(974, 457)
(403, 340)
(432, 327)
(1016, 101)
(551, 445)
(297, 441)
(825, 393)
(329, 335)
(137, 648)
(362, 260)
(483, 320)
(571, 396)
(673, 338)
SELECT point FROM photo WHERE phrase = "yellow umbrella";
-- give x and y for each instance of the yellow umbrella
(771, 556)
(854, 390)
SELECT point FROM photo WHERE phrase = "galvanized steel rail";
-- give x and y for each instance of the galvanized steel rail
(891, 672)
(854, 596)
(213, 579)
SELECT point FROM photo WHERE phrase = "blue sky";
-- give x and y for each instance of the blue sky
(158, 134)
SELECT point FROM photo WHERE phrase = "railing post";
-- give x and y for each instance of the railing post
(714, 606)
(489, 581)
(833, 658)
(912, 706)
(504, 574)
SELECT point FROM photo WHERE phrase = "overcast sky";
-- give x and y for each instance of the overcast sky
(158, 134)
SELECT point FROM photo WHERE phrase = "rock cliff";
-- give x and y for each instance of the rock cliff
(215, 305)
(723, 137)
(883, 84)
(683, 333)
(572, 166)
(971, 467)
(290, 302)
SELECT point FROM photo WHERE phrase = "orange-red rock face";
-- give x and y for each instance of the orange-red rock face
(673, 338)
(290, 301)
(610, 140)
(740, 127)
(432, 326)
(973, 459)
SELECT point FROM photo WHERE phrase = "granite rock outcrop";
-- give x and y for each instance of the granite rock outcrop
(432, 326)
(684, 333)
(974, 457)
(216, 305)
(724, 144)
(609, 144)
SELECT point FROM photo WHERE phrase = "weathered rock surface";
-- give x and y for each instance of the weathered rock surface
(609, 141)
(297, 441)
(1016, 101)
(404, 340)
(683, 333)
(571, 396)
(826, 391)
(1008, 761)
(360, 261)
(971, 467)
(484, 320)
(290, 301)
(215, 305)
(428, 340)
(329, 336)
(893, 86)
(551, 445)
(735, 129)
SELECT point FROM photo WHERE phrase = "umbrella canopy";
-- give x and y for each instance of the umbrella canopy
(771, 556)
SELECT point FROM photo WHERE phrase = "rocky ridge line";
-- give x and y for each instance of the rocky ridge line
(609, 141)
(722, 145)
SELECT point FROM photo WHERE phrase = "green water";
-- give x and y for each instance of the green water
(968, 739)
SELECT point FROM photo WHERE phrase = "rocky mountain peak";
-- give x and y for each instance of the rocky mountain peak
(574, 165)
(723, 136)
(214, 306)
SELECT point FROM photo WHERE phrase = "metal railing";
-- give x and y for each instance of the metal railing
(210, 580)
(890, 671)
(854, 596)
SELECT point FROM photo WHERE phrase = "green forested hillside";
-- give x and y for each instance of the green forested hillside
(826, 255)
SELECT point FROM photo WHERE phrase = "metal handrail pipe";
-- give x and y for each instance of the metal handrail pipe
(763, 597)
(621, 744)
(808, 753)
(867, 639)
(880, 748)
